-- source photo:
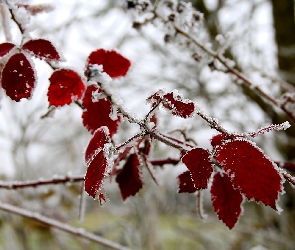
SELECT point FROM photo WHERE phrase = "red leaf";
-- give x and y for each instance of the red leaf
(198, 163)
(114, 64)
(65, 87)
(129, 177)
(6, 48)
(217, 140)
(97, 111)
(42, 49)
(155, 98)
(180, 107)
(186, 184)
(122, 155)
(251, 172)
(226, 200)
(97, 161)
(18, 77)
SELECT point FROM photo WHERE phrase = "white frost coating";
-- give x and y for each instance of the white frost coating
(108, 152)
(97, 74)
(285, 125)
(96, 96)
(114, 115)
(117, 102)
(220, 39)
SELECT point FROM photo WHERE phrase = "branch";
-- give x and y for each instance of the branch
(162, 162)
(35, 183)
(287, 176)
(78, 232)
(217, 56)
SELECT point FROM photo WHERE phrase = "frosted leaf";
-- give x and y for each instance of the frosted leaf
(99, 159)
(18, 77)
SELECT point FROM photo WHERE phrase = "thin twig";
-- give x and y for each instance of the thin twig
(223, 61)
(162, 162)
(287, 176)
(78, 232)
(35, 183)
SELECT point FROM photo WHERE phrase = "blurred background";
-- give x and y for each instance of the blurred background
(258, 35)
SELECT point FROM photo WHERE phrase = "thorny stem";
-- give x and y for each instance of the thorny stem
(78, 232)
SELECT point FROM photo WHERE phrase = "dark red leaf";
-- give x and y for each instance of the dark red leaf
(198, 162)
(177, 105)
(122, 155)
(129, 177)
(114, 64)
(18, 77)
(226, 200)
(42, 49)
(251, 171)
(5, 48)
(217, 140)
(96, 158)
(65, 87)
(186, 184)
(155, 98)
(97, 111)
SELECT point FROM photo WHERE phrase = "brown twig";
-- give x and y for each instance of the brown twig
(77, 232)
(36, 183)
